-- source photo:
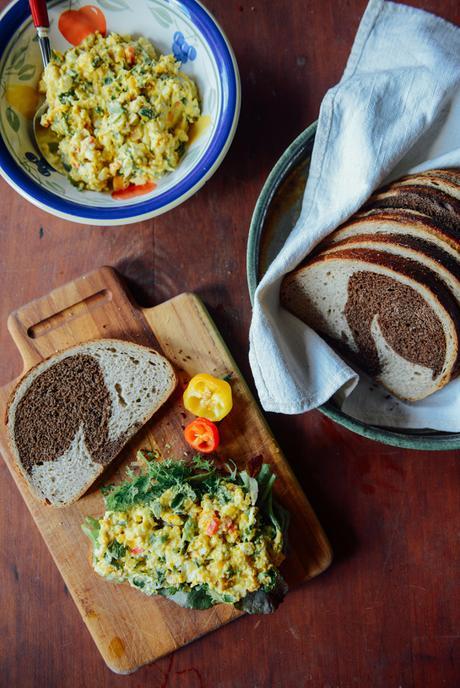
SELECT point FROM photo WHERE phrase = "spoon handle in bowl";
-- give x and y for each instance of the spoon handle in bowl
(41, 21)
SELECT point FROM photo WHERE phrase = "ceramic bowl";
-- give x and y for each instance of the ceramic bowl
(183, 27)
(275, 214)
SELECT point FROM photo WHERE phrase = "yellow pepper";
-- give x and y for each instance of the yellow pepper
(208, 397)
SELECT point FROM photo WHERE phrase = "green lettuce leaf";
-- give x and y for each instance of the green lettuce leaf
(91, 527)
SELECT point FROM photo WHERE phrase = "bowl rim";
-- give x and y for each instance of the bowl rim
(415, 439)
(16, 13)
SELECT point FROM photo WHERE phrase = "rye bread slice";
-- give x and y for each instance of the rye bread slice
(392, 316)
(71, 414)
(436, 204)
(450, 173)
(424, 252)
(391, 222)
(446, 185)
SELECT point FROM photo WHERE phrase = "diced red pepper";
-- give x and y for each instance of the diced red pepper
(137, 550)
(130, 54)
(228, 524)
(213, 526)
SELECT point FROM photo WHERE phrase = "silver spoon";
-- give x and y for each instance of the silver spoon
(46, 139)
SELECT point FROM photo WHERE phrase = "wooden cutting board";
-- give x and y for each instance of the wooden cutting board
(129, 628)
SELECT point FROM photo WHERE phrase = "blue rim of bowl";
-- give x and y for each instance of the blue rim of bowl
(17, 12)
(292, 156)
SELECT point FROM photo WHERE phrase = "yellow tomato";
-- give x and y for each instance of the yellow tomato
(208, 397)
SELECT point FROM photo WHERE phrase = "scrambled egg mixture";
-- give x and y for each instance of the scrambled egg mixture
(121, 112)
(217, 541)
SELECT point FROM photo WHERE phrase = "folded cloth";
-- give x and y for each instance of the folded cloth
(396, 110)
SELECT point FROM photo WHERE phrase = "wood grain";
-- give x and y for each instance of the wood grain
(387, 612)
(129, 629)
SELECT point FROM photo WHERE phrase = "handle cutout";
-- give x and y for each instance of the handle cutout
(70, 313)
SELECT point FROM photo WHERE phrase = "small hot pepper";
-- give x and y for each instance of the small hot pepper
(208, 397)
(202, 435)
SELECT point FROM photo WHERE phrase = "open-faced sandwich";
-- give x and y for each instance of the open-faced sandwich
(194, 534)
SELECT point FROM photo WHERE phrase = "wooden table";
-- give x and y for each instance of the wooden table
(386, 614)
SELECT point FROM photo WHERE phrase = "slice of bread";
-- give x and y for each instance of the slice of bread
(448, 185)
(452, 174)
(70, 415)
(424, 252)
(398, 222)
(437, 204)
(393, 316)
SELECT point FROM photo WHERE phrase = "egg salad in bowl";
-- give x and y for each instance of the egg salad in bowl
(194, 534)
(121, 112)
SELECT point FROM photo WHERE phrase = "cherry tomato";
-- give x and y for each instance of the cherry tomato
(202, 435)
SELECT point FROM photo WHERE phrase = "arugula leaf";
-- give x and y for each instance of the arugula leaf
(251, 486)
(196, 598)
(91, 527)
(265, 479)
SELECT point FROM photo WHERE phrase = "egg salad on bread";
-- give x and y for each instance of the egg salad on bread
(194, 534)
(122, 112)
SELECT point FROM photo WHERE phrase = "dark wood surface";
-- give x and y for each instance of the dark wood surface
(386, 614)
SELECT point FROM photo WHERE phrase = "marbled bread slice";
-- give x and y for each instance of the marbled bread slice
(436, 204)
(391, 222)
(70, 416)
(394, 317)
(431, 179)
(424, 252)
(450, 173)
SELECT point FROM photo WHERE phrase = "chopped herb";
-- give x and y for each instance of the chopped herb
(115, 552)
(148, 113)
(180, 150)
(68, 97)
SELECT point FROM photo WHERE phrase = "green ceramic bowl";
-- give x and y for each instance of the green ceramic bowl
(275, 214)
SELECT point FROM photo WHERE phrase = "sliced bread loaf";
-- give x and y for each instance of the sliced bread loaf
(393, 316)
(70, 416)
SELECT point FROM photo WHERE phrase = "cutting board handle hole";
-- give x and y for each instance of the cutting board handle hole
(77, 310)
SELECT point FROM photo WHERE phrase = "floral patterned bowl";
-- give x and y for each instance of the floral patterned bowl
(183, 27)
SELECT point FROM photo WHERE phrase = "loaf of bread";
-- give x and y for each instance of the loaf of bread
(70, 416)
(384, 288)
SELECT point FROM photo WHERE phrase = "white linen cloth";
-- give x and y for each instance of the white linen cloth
(395, 110)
